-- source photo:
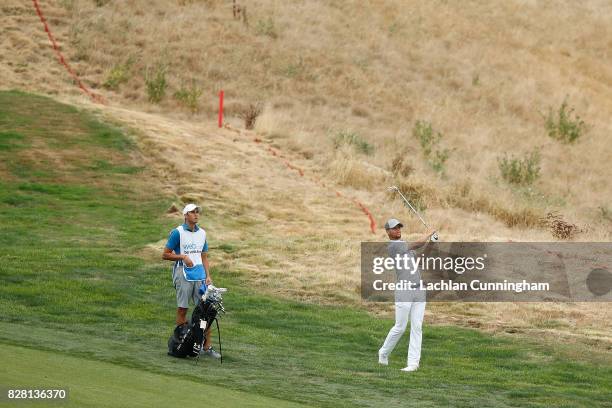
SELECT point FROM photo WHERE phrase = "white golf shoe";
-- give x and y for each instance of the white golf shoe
(383, 359)
(210, 352)
(410, 368)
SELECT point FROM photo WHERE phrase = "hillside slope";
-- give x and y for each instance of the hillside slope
(479, 73)
(484, 75)
(88, 312)
(295, 238)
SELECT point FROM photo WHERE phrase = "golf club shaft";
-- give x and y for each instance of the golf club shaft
(413, 209)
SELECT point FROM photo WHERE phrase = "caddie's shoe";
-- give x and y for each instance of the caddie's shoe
(210, 352)
(410, 368)
(383, 359)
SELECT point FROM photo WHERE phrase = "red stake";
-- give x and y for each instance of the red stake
(221, 108)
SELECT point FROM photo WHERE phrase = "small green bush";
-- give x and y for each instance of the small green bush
(189, 96)
(429, 141)
(520, 171)
(564, 125)
(395, 27)
(347, 137)
(155, 80)
(424, 133)
(439, 159)
(266, 27)
(476, 79)
(119, 74)
(294, 68)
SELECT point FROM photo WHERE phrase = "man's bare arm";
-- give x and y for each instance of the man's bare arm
(168, 255)
(206, 267)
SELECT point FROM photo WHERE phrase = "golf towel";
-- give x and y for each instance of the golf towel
(192, 245)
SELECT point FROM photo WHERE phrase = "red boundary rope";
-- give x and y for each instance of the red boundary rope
(94, 97)
(317, 181)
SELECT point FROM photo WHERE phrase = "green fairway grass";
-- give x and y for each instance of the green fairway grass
(77, 207)
(109, 385)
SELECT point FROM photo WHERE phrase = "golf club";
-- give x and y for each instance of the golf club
(434, 236)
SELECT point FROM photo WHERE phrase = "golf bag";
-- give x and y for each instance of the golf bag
(188, 338)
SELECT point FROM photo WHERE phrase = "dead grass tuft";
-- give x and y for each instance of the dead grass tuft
(518, 215)
(173, 209)
(418, 193)
(250, 115)
(347, 170)
(559, 228)
(400, 166)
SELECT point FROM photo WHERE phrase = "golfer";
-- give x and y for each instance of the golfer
(188, 248)
(409, 304)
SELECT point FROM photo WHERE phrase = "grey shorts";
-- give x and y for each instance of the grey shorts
(185, 289)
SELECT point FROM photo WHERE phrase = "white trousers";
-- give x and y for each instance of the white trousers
(404, 310)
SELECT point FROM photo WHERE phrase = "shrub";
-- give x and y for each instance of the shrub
(419, 194)
(294, 69)
(155, 80)
(119, 74)
(395, 27)
(347, 137)
(476, 79)
(438, 160)
(558, 227)
(520, 171)
(429, 141)
(189, 96)
(426, 136)
(250, 115)
(563, 125)
(400, 167)
(266, 27)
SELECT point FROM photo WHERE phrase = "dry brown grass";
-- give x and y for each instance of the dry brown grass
(348, 170)
(560, 228)
(250, 115)
(481, 72)
(484, 85)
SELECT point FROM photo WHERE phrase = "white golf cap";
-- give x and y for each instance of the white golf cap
(392, 223)
(191, 207)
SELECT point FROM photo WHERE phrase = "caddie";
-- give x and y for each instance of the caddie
(187, 246)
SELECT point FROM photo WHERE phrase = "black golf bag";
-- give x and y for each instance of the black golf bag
(188, 338)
